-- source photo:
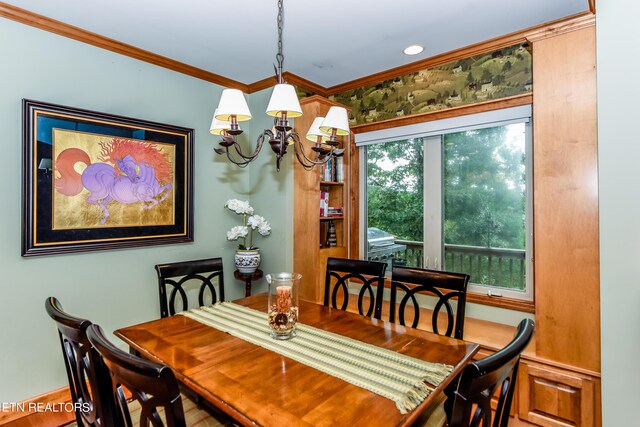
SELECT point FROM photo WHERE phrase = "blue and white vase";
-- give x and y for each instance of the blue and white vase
(247, 261)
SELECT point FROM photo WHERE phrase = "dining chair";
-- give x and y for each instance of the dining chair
(185, 275)
(471, 402)
(156, 397)
(90, 393)
(407, 283)
(342, 272)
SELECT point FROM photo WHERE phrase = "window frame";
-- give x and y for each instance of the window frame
(436, 129)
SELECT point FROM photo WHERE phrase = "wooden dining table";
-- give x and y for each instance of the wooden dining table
(256, 386)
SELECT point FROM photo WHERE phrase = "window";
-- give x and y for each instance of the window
(453, 195)
(395, 177)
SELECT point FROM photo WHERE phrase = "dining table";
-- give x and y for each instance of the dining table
(259, 387)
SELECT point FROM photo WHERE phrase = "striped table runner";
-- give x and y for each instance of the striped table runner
(384, 372)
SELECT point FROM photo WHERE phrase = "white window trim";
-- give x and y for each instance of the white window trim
(485, 119)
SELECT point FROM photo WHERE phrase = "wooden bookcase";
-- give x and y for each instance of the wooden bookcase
(310, 249)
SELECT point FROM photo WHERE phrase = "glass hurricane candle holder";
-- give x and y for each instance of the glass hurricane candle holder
(283, 304)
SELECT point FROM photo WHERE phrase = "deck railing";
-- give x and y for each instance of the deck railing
(505, 268)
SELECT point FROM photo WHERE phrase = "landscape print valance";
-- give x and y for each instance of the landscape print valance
(493, 75)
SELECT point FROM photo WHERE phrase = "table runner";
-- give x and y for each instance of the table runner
(387, 373)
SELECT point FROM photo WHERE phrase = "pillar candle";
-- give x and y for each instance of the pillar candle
(283, 299)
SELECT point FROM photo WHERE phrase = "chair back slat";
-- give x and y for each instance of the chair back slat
(408, 282)
(342, 272)
(471, 402)
(177, 276)
(154, 386)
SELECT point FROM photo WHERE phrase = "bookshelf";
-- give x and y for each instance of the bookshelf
(320, 199)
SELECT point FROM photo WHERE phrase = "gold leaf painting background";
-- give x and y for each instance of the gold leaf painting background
(73, 212)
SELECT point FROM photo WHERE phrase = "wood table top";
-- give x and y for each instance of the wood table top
(256, 386)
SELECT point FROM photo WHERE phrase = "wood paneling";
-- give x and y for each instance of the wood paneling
(554, 398)
(565, 198)
(502, 302)
(353, 172)
(42, 22)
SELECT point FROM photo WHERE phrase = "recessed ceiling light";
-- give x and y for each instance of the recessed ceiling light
(413, 49)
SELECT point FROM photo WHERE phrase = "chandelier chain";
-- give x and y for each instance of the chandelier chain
(279, 55)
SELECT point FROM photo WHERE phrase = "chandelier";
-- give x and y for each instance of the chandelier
(283, 105)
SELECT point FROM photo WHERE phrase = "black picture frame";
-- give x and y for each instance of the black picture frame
(97, 181)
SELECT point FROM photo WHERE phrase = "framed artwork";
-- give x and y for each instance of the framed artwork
(94, 181)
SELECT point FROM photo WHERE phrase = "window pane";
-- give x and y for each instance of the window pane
(395, 200)
(484, 205)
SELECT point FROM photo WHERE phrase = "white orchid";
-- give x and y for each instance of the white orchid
(239, 207)
(236, 232)
(250, 222)
(258, 222)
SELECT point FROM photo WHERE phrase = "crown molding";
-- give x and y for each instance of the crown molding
(549, 28)
(306, 84)
(542, 31)
(578, 22)
(53, 26)
(291, 79)
(322, 100)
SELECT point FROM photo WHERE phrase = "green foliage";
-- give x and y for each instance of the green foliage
(395, 197)
(484, 193)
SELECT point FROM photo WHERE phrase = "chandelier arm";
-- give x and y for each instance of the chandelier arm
(232, 159)
(250, 157)
(301, 155)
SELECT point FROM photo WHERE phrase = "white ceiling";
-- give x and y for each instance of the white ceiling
(325, 41)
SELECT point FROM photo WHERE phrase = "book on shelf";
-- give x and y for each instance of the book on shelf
(334, 170)
(340, 169)
(331, 235)
(334, 211)
(324, 203)
(327, 171)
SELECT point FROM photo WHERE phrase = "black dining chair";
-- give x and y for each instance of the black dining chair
(343, 272)
(177, 278)
(407, 283)
(153, 387)
(89, 391)
(471, 402)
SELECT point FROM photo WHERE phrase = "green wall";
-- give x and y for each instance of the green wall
(113, 288)
(271, 194)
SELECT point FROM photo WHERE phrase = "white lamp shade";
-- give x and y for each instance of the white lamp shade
(284, 98)
(232, 103)
(314, 131)
(338, 119)
(218, 126)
